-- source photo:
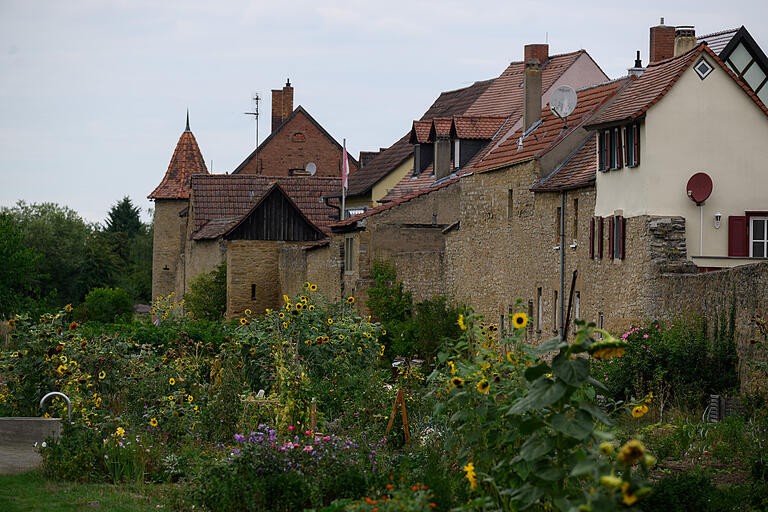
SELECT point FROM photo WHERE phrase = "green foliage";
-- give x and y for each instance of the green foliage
(411, 329)
(675, 360)
(693, 492)
(207, 296)
(123, 217)
(108, 305)
(17, 281)
(75, 455)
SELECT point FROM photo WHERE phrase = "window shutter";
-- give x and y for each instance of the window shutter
(619, 151)
(738, 236)
(600, 237)
(622, 232)
(610, 238)
(627, 149)
(592, 238)
(636, 142)
(600, 151)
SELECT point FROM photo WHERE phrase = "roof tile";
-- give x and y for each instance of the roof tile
(185, 162)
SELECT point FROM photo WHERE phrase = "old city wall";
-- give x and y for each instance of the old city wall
(324, 268)
(201, 257)
(296, 144)
(252, 276)
(168, 245)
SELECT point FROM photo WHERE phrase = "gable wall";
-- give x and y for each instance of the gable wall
(709, 126)
(282, 154)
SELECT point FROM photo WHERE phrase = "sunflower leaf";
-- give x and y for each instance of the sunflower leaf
(574, 372)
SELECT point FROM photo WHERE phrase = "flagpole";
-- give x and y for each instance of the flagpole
(344, 180)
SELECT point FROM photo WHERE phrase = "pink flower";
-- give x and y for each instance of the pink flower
(290, 428)
(327, 438)
(308, 448)
(308, 433)
(645, 336)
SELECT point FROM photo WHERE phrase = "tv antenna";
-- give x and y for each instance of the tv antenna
(256, 98)
(562, 103)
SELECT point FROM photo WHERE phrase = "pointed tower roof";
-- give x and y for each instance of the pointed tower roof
(186, 162)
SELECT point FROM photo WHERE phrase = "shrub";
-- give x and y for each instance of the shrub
(108, 305)
(207, 296)
(75, 455)
(687, 492)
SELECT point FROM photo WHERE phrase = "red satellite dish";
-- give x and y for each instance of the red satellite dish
(699, 187)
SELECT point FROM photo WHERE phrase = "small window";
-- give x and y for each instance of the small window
(603, 145)
(539, 311)
(558, 215)
(703, 68)
(510, 204)
(632, 145)
(555, 311)
(253, 292)
(456, 153)
(576, 305)
(349, 247)
(600, 324)
(575, 219)
(298, 137)
(758, 237)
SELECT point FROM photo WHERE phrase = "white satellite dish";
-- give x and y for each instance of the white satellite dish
(562, 103)
(311, 168)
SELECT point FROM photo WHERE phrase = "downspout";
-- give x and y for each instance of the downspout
(562, 263)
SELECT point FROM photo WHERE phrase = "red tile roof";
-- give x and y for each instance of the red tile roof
(185, 162)
(441, 127)
(447, 104)
(717, 41)
(653, 84)
(476, 127)
(578, 170)
(550, 131)
(221, 201)
(420, 132)
(505, 95)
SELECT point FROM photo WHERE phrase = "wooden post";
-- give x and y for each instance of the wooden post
(400, 400)
(313, 416)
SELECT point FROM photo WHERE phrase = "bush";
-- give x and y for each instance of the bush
(108, 305)
(207, 296)
(75, 455)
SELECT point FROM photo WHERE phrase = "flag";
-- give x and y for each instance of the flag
(344, 168)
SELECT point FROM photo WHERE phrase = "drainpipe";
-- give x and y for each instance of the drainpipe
(562, 263)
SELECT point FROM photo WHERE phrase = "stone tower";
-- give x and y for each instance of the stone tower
(171, 199)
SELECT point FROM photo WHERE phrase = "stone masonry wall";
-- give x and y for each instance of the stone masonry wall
(292, 262)
(201, 257)
(168, 244)
(252, 263)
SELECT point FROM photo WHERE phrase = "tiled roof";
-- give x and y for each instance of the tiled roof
(447, 104)
(185, 162)
(505, 95)
(654, 83)
(577, 171)
(441, 127)
(717, 41)
(476, 127)
(409, 183)
(397, 201)
(420, 132)
(220, 201)
(550, 131)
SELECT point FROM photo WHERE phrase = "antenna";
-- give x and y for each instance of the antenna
(256, 98)
(311, 168)
(562, 103)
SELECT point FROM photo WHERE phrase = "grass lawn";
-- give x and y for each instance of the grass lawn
(33, 492)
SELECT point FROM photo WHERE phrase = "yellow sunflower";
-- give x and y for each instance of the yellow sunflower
(243, 321)
(172, 381)
(248, 312)
(483, 386)
(68, 308)
(153, 422)
(457, 382)
(313, 287)
(285, 325)
(350, 300)
(631, 452)
(461, 323)
(281, 315)
(299, 306)
(330, 321)
(102, 375)
(73, 326)
(469, 469)
(311, 307)
(253, 350)
(519, 320)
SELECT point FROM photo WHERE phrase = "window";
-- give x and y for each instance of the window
(558, 214)
(299, 137)
(501, 324)
(555, 311)
(349, 247)
(575, 219)
(538, 309)
(592, 238)
(600, 324)
(603, 145)
(616, 236)
(576, 305)
(618, 146)
(758, 237)
(632, 144)
(456, 151)
(253, 292)
(510, 205)
(600, 237)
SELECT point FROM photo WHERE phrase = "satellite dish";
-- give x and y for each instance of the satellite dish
(699, 188)
(562, 103)
(311, 168)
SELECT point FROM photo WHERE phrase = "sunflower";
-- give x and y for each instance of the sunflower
(243, 321)
(629, 498)
(469, 469)
(285, 325)
(189, 398)
(11, 323)
(311, 307)
(68, 308)
(153, 422)
(637, 412)
(483, 386)
(248, 312)
(281, 315)
(170, 398)
(253, 350)
(350, 300)
(102, 374)
(73, 326)
(457, 382)
(519, 320)
(461, 323)
(306, 284)
(287, 299)
(299, 306)
(304, 299)
(452, 367)
(608, 348)
(631, 452)
(341, 336)
(319, 339)
(172, 381)
(330, 321)
(313, 287)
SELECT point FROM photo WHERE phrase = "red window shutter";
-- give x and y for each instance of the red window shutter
(622, 231)
(627, 149)
(600, 237)
(738, 236)
(601, 150)
(619, 151)
(636, 143)
(610, 238)
(592, 238)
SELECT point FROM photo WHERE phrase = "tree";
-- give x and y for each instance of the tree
(108, 305)
(17, 271)
(207, 296)
(123, 217)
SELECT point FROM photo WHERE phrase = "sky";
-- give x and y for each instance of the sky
(94, 93)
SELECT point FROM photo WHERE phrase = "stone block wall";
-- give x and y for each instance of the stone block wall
(252, 264)
(292, 261)
(200, 257)
(168, 246)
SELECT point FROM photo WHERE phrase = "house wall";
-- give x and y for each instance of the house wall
(324, 268)
(297, 143)
(710, 126)
(252, 262)
(292, 261)
(168, 245)
(201, 257)
(381, 188)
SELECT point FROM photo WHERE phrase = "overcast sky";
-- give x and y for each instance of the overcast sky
(93, 93)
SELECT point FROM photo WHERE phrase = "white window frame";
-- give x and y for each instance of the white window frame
(764, 238)
(456, 153)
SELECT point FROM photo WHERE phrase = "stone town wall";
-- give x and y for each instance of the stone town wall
(168, 246)
(292, 262)
(201, 257)
(324, 268)
(711, 295)
(252, 263)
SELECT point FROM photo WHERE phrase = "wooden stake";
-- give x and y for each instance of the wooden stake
(400, 400)
(313, 416)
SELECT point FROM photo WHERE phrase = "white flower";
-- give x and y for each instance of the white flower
(43, 445)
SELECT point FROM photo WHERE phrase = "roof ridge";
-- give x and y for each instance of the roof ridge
(720, 33)
(666, 61)
(467, 86)
(554, 56)
(607, 82)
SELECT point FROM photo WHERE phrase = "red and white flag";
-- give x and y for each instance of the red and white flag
(344, 168)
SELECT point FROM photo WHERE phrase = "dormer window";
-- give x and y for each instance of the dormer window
(456, 153)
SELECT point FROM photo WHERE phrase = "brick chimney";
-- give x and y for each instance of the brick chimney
(537, 51)
(662, 42)
(282, 104)
(685, 39)
(531, 92)
(442, 160)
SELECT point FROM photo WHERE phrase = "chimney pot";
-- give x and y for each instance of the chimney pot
(536, 51)
(662, 43)
(685, 39)
(531, 93)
